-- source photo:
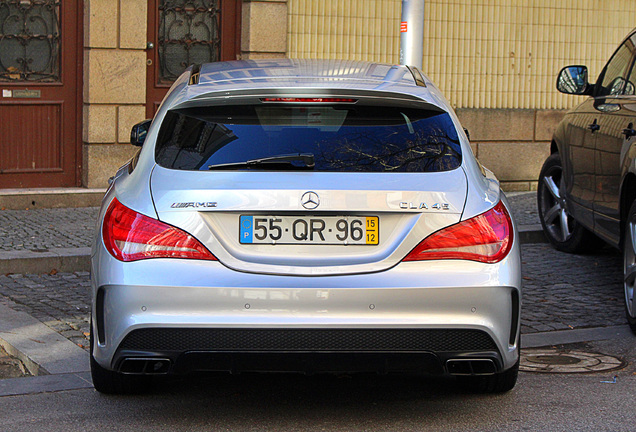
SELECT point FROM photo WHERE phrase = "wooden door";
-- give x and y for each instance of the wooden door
(185, 32)
(40, 85)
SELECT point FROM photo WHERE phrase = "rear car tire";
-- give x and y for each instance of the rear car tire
(111, 382)
(497, 383)
(560, 228)
(629, 266)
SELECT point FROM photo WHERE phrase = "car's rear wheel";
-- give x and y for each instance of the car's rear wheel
(629, 266)
(497, 383)
(565, 233)
(111, 382)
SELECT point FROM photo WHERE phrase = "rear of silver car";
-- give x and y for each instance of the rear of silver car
(305, 233)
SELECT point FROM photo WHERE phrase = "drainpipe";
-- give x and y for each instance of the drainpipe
(412, 33)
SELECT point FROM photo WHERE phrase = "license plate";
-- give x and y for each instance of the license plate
(328, 230)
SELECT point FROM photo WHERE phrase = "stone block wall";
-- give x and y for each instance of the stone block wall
(264, 29)
(114, 84)
(513, 143)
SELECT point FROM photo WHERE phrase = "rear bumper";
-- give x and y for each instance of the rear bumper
(204, 316)
(303, 350)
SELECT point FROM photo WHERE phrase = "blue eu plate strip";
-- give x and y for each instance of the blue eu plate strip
(247, 225)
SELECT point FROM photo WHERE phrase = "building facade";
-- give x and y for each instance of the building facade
(76, 75)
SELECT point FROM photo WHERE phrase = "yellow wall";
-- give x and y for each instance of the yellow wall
(482, 54)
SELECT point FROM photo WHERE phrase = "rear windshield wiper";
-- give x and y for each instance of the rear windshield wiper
(277, 162)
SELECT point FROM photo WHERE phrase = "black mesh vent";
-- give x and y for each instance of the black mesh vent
(354, 340)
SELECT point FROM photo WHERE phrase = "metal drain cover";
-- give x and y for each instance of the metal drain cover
(556, 361)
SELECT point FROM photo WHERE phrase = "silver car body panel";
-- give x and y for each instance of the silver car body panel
(174, 293)
(262, 286)
(376, 194)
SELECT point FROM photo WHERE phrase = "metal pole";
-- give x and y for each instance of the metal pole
(412, 33)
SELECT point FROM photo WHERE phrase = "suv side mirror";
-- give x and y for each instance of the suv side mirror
(139, 132)
(573, 80)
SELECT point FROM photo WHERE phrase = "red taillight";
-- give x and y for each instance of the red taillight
(308, 100)
(131, 236)
(485, 238)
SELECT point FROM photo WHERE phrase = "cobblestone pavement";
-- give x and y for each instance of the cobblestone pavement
(561, 291)
(61, 301)
(524, 207)
(43, 229)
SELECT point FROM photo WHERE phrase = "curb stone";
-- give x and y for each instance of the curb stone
(531, 234)
(45, 383)
(60, 259)
(42, 350)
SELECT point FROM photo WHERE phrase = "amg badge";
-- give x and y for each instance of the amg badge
(193, 205)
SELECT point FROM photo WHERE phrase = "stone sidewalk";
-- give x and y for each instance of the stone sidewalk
(524, 208)
(40, 230)
(563, 291)
(61, 301)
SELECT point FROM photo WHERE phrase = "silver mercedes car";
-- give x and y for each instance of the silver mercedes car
(310, 216)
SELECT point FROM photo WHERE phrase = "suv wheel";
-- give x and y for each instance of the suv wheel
(629, 266)
(559, 227)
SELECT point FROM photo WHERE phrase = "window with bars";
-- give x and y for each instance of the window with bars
(189, 32)
(30, 40)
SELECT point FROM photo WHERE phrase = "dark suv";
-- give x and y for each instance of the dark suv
(587, 187)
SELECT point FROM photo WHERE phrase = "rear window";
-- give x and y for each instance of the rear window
(343, 138)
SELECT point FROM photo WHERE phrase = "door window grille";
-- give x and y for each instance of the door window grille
(30, 40)
(189, 32)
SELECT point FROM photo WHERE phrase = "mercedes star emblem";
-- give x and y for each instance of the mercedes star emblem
(310, 200)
